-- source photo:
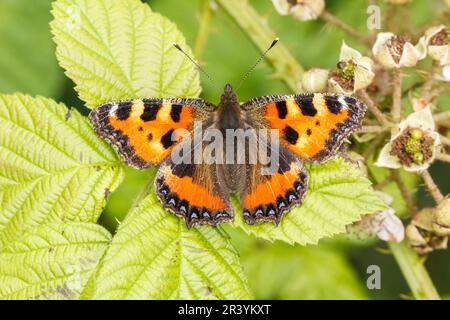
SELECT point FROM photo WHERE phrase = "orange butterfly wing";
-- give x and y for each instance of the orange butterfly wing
(312, 126)
(145, 131)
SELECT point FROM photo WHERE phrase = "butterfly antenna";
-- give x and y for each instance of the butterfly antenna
(196, 64)
(274, 42)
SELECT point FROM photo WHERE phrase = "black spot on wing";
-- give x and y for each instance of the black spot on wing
(306, 105)
(150, 111)
(175, 112)
(333, 104)
(281, 108)
(290, 134)
(350, 100)
(183, 170)
(166, 139)
(123, 110)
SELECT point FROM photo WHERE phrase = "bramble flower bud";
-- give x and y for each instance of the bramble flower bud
(315, 80)
(441, 216)
(416, 239)
(437, 41)
(385, 224)
(422, 235)
(302, 10)
(413, 145)
(353, 72)
(394, 51)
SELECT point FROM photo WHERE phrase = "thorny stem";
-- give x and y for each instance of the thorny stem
(257, 29)
(332, 19)
(373, 129)
(204, 28)
(406, 194)
(431, 186)
(414, 272)
(397, 95)
(426, 89)
(443, 157)
(373, 108)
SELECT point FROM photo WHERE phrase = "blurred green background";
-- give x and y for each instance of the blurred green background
(336, 269)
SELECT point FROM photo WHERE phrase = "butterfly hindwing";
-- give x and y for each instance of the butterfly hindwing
(192, 190)
(313, 126)
(267, 196)
(144, 131)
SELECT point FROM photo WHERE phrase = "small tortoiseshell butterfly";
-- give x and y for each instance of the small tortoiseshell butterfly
(311, 128)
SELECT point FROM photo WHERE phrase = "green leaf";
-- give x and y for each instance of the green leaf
(284, 272)
(27, 51)
(120, 49)
(51, 261)
(154, 256)
(52, 165)
(338, 194)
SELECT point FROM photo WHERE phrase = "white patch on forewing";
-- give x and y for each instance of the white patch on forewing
(343, 102)
(113, 110)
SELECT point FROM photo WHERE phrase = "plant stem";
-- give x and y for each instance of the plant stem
(373, 108)
(444, 140)
(426, 89)
(397, 95)
(332, 19)
(443, 157)
(431, 186)
(414, 272)
(204, 28)
(373, 129)
(406, 194)
(256, 28)
(442, 117)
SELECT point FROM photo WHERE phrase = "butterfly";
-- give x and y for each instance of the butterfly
(311, 127)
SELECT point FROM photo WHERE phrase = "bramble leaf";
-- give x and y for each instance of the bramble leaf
(154, 256)
(51, 261)
(120, 49)
(338, 194)
(52, 165)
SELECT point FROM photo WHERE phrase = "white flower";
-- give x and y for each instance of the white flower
(446, 73)
(315, 80)
(301, 10)
(354, 71)
(385, 224)
(437, 41)
(393, 51)
(413, 145)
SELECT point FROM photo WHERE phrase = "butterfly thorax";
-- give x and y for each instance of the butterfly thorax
(229, 117)
(229, 113)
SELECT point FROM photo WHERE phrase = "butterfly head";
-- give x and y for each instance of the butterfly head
(228, 96)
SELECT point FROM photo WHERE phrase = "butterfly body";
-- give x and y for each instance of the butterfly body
(198, 174)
